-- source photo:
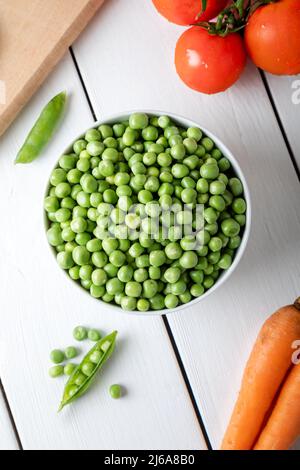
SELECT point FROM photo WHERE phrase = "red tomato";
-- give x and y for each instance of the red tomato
(207, 63)
(185, 12)
(272, 37)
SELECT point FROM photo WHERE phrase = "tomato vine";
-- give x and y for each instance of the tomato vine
(233, 18)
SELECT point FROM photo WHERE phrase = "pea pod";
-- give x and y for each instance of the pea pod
(84, 375)
(42, 130)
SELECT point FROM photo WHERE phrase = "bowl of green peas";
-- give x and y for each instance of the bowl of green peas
(148, 212)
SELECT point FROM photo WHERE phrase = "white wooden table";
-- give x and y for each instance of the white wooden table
(183, 372)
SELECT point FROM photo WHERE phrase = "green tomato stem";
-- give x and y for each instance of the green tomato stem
(234, 17)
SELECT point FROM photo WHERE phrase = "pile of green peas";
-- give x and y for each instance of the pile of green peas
(149, 164)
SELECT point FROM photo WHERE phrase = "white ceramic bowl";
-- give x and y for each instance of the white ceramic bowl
(183, 122)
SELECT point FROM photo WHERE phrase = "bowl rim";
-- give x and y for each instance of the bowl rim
(184, 122)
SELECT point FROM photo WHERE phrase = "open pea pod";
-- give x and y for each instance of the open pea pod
(84, 375)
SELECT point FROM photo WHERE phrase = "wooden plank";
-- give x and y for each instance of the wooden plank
(286, 95)
(35, 35)
(215, 337)
(7, 436)
(40, 307)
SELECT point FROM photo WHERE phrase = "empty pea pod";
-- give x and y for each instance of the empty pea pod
(42, 130)
(84, 375)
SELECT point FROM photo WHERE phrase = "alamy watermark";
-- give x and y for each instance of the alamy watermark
(296, 92)
(153, 220)
(2, 92)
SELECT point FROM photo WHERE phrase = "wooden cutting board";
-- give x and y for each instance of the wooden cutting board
(34, 35)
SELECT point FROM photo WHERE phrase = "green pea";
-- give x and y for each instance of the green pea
(164, 122)
(197, 276)
(88, 368)
(65, 260)
(241, 219)
(224, 164)
(86, 284)
(94, 336)
(186, 297)
(194, 133)
(140, 275)
(225, 262)
(209, 171)
(69, 369)
(99, 259)
(202, 263)
(143, 305)
(99, 277)
(172, 275)
(71, 352)
(138, 121)
(63, 190)
(236, 186)
(114, 286)
(197, 290)
(178, 288)
(188, 195)
(62, 215)
(115, 391)
(85, 272)
(117, 258)
(218, 203)
(212, 229)
(234, 242)
(175, 140)
(188, 243)
(230, 228)
(78, 225)
(178, 151)
(214, 257)
(210, 215)
(92, 134)
(111, 270)
(239, 206)
(150, 288)
(56, 371)
(51, 204)
(83, 165)
(157, 258)
(83, 199)
(157, 302)
(188, 183)
(166, 176)
(57, 356)
(128, 303)
(228, 197)
(118, 129)
(79, 146)
(188, 260)
(97, 291)
(173, 251)
(217, 187)
(171, 301)
(80, 333)
(74, 273)
(133, 289)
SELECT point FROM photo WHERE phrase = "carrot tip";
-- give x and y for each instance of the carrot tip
(297, 303)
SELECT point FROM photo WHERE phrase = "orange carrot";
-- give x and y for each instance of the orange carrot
(283, 426)
(266, 369)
